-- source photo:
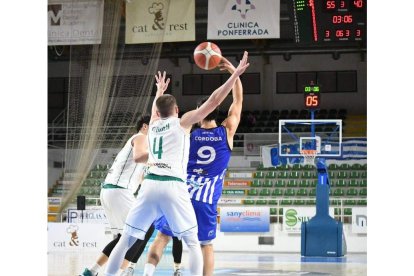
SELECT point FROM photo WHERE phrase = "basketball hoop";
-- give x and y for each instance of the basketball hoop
(309, 156)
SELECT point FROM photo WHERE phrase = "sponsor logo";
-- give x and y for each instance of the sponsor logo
(161, 165)
(244, 216)
(73, 231)
(161, 129)
(54, 13)
(361, 220)
(243, 6)
(291, 219)
(200, 171)
(211, 139)
(156, 10)
(210, 233)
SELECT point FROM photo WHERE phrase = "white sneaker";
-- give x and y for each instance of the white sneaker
(177, 273)
(129, 271)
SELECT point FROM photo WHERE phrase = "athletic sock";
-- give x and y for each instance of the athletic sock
(132, 265)
(95, 268)
(177, 266)
(149, 269)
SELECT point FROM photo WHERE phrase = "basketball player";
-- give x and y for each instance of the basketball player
(163, 191)
(210, 150)
(117, 198)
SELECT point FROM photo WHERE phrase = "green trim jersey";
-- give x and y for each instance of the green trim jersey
(169, 147)
(124, 172)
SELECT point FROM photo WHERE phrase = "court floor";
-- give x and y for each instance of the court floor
(229, 263)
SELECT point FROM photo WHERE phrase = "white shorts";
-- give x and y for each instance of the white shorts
(116, 203)
(158, 198)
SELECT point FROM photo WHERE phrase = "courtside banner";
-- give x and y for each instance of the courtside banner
(149, 21)
(359, 220)
(294, 216)
(74, 22)
(75, 237)
(244, 219)
(243, 19)
(90, 215)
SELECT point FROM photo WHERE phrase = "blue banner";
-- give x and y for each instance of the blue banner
(244, 219)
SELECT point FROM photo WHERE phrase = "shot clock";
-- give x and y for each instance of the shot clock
(312, 96)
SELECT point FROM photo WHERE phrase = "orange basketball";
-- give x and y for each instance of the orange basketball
(207, 55)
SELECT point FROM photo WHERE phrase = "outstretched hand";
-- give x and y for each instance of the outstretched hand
(242, 65)
(161, 83)
(225, 64)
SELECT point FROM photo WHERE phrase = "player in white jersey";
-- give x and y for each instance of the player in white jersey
(117, 198)
(210, 152)
(164, 190)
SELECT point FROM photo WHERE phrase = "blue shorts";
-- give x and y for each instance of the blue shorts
(206, 215)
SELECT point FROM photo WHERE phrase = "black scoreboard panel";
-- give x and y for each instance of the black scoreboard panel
(327, 21)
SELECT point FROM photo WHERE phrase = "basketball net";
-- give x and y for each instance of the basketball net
(309, 156)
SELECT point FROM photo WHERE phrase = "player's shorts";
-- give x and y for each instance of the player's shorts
(162, 196)
(206, 215)
(116, 202)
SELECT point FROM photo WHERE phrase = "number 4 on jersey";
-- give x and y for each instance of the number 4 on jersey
(154, 148)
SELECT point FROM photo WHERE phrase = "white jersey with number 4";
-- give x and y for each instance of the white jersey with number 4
(124, 172)
(168, 148)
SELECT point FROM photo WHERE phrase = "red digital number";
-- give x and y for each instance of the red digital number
(330, 5)
(347, 33)
(337, 19)
(358, 32)
(358, 3)
(348, 18)
(312, 101)
(339, 33)
(342, 4)
(327, 33)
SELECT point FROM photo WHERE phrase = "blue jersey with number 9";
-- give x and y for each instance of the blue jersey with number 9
(207, 163)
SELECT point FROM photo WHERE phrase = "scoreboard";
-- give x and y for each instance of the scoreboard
(324, 21)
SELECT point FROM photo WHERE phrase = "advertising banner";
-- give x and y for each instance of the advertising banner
(243, 19)
(90, 215)
(233, 192)
(150, 21)
(244, 219)
(74, 22)
(294, 216)
(359, 220)
(237, 183)
(76, 237)
(230, 201)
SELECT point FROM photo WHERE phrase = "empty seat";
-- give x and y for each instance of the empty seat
(286, 202)
(283, 174)
(277, 192)
(356, 167)
(352, 192)
(299, 202)
(363, 192)
(258, 174)
(272, 201)
(273, 211)
(292, 183)
(362, 202)
(303, 183)
(344, 166)
(252, 192)
(302, 192)
(294, 174)
(261, 202)
(339, 192)
(289, 192)
(271, 174)
(257, 183)
(265, 192)
(363, 183)
(248, 202)
(341, 183)
(280, 183)
(353, 174)
(350, 202)
(268, 183)
(342, 174)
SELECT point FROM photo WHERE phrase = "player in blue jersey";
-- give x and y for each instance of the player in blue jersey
(210, 151)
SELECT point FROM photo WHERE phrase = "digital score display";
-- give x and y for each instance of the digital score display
(312, 96)
(330, 20)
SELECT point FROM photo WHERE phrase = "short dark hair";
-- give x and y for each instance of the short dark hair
(143, 119)
(165, 105)
(213, 114)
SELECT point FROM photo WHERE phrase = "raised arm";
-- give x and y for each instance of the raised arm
(194, 116)
(162, 85)
(233, 118)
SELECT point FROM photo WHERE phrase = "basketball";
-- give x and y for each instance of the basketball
(207, 55)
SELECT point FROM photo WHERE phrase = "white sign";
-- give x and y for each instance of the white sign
(149, 21)
(93, 215)
(294, 216)
(243, 19)
(230, 201)
(359, 220)
(74, 22)
(76, 237)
